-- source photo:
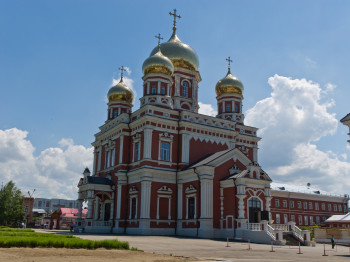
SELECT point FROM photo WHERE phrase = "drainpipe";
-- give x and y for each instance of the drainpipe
(199, 197)
(234, 229)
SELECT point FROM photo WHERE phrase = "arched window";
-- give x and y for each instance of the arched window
(185, 89)
(154, 90)
(163, 90)
(228, 107)
(254, 202)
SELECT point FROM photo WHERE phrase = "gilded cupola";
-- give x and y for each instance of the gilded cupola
(180, 54)
(158, 63)
(120, 92)
(229, 84)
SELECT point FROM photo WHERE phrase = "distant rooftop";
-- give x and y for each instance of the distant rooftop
(339, 218)
(301, 189)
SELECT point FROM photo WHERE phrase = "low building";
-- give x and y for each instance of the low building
(28, 203)
(51, 204)
(304, 205)
(65, 217)
(339, 221)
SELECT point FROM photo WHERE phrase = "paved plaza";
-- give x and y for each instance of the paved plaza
(208, 249)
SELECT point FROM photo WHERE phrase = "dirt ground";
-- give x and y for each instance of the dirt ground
(75, 255)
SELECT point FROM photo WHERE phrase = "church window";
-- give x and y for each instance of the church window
(163, 90)
(310, 205)
(191, 207)
(185, 89)
(277, 203)
(300, 220)
(329, 207)
(154, 91)
(137, 152)
(317, 206)
(284, 203)
(291, 204)
(306, 221)
(323, 206)
(133, 208)
(164, 151)
(228, 107)
(112, 157)
(299, 204)
(278, 219)
(254, 202)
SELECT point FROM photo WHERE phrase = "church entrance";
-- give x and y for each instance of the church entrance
(254, 210)
(107, 212)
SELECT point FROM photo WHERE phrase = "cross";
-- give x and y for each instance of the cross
(159, 38)
(121, 72)
(175, 15)
(229, 62)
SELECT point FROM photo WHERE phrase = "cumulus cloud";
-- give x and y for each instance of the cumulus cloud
(53, 173)
(291, 121)
(207, 109)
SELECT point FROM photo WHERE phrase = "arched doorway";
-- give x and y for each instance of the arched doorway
(254, 210)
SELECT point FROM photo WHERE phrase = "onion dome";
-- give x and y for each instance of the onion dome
(180, 54)
(120, 92)
(158, 63)
(229, 85)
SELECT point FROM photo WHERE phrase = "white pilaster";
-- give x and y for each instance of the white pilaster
(89, 215)
(119, 199)
(121, 149)
(179, 201)
(145, 199)
(206, 198)
(185, 148)
(147, 149)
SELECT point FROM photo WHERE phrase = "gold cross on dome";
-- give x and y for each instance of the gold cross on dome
(159, 38)
(121, 72)
(229, 62)
(175, 16)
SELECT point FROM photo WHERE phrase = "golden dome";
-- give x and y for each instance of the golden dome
(229, 85)
(120, 92)
(180, 54)
(158, 63)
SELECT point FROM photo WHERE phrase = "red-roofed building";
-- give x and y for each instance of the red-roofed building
(65, 217)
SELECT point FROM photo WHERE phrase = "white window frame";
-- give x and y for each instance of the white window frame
(228, 108)
(339, 208)
(277, 202)
(136, 141)
(317, 220)
(190, 192)
(300, 218)
(329, 207)
(306, 221)
(305, 205)
(292, 218)
(134, 194)
(317, 206)
(185, 87)
(164, 192)
(299, 204)
(284, 203)
(164, 152)
(285, 218)
(310, 205)
(335, 208)
(162, 90)
(165, 138)
(311, 220)
(323, 206)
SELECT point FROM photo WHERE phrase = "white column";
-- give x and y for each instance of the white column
(157, 207)
(96, 208)
(206, 198)
(169, 213)
(255, 154)
(148, 87)
(145, 199)
(102, 210)
(147, 149)
(241, 206)
(121, 149)
(112, 208)
(158, 87)
(99, 158)
(89, 215)
(168, 89)
(179, 201)
(221, 207)
(94, 163)
(119, 199)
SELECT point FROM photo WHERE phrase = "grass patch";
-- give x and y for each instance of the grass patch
(21, 238)
(9, 229)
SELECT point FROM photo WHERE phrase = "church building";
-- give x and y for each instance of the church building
(165, 169)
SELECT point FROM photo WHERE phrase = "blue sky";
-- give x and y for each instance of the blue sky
(58, 60)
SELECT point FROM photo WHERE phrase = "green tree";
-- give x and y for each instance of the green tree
(11, 205)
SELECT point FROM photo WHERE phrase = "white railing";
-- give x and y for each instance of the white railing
(101, 223)
(254, 226)
(270, 231)
(283, 227)
(297, 233)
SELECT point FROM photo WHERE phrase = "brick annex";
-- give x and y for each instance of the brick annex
(165, 169)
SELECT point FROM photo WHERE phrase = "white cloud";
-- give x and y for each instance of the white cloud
(54, 173)
(207, 109)
(291, 121)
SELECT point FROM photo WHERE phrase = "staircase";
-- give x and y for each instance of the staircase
(291, 240)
